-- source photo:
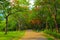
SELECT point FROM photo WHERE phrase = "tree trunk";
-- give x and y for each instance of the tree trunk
(19, 26)
(56, 24)
(54, 13)
(6, 29)
(46, 25)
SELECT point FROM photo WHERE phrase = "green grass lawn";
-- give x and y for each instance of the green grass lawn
(12, 35)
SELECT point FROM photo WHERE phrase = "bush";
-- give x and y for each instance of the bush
(2, 25)
(56, 35)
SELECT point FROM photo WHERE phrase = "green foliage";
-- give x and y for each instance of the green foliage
(23, 2)
(2, 25)
(56, 35)
(50, 39)
(1, 18)
(12, 25)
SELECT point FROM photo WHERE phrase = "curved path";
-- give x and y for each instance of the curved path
(32, 35)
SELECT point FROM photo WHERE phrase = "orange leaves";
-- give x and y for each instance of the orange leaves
(35, 21)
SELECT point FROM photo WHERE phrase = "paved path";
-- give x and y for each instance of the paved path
(31, 35)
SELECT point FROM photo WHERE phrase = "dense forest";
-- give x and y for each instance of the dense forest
(16, 15)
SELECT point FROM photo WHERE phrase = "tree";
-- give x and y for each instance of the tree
(5, 8)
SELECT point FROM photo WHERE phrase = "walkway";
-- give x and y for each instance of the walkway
(32, 35)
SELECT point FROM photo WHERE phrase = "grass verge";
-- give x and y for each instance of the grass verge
(54, 34)
(12, 35)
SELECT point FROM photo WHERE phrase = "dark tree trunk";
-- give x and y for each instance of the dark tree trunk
(46, 25)
(6, 29)
(56, 25)
(55, 14)
(19, 26)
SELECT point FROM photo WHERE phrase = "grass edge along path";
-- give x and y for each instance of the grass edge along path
(56, 36)
(49, 37)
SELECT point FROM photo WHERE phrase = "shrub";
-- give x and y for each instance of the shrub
(56, 35)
